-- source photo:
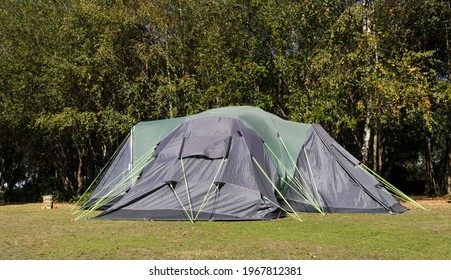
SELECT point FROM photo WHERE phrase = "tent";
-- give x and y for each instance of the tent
(235, 163)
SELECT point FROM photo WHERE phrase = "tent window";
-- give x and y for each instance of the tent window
(212, 147)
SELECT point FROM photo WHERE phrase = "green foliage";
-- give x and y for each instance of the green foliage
(76, 74)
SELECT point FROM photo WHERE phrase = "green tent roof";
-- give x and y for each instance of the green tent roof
(284, 138)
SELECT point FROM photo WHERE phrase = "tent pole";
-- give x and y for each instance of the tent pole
(304, 191)
(275, 187)
(283, 209)
(205, 200)
(300, 174)
(313, 180)
(187, 189)
(181, 204)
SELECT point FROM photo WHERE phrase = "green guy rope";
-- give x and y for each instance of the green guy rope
(395, 190)
(181, 204)
(305, 191)
(283, 209)
(129, 179)
(101, 172)
(299, 172)
(275, 187)
(187, 189)
(205, 200)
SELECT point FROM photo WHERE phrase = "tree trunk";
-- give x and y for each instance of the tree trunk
(431, 187)
(367, 29)
(446, 27)
(447, 181)
(60, 163)
(67, 184)
(380, 154)
(366, 140)
(448, 166)
(2, 170)
(2, 184)
(375, 150)
(81, 156)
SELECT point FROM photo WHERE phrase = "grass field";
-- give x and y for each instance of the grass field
(31, 232)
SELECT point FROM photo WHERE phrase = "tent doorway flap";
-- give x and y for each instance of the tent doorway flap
(211, 147)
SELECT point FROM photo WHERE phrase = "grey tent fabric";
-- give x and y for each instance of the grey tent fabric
(333, 179)
(116, 174)
(203, 171)
(234, 163)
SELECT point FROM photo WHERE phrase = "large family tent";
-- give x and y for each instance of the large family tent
(235, 163)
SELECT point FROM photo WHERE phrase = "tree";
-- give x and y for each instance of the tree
(76, 74)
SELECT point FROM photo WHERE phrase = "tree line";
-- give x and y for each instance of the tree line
(75, 75)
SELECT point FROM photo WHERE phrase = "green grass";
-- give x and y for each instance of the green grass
(30, 232)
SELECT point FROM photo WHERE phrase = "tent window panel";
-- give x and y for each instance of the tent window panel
(212, 147)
